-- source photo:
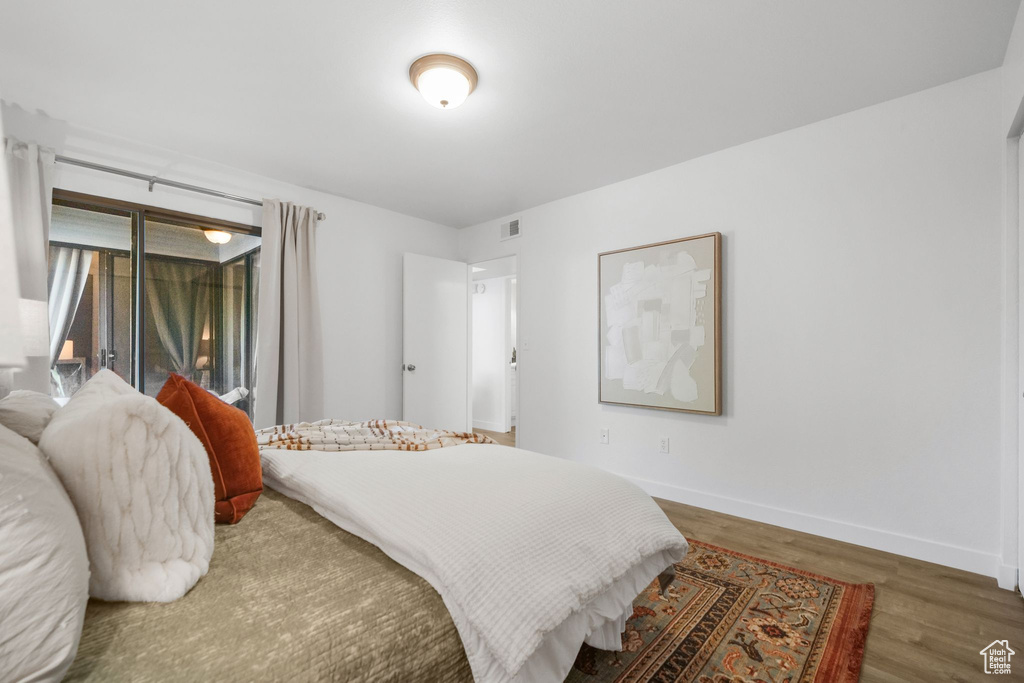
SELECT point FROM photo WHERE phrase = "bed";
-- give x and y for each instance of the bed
(289, 596)
(436, 557)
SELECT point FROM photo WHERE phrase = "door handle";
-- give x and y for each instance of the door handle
(107, 357)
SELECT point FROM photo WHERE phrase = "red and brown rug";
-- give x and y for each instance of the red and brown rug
(732, 618)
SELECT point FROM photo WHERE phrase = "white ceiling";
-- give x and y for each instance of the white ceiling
(573, 94)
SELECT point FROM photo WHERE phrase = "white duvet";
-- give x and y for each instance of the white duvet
(531, 554)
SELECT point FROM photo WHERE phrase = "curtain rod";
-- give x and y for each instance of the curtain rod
(155, 180)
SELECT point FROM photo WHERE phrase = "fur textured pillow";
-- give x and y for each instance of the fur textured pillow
(27, 413)
(44, 571)
(140, 481)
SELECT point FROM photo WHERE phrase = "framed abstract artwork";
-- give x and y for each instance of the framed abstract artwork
(661, 325)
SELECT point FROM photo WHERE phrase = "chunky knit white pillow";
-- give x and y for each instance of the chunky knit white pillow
(141, 483)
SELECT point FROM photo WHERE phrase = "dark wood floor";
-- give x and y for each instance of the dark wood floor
(929, 622)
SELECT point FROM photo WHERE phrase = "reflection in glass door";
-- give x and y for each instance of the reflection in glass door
(197, 323)
(90, 295)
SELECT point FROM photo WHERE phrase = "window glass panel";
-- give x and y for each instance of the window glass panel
(121, 361)
(90, 295)
(197, 311)
(233, 321)
(179, 298)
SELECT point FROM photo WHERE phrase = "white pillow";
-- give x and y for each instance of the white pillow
(141, 483)
(44, 570)
(27, 413)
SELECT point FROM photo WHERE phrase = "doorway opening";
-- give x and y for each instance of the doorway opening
(494, 382)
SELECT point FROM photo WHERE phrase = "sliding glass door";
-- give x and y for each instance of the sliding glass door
(145, 293)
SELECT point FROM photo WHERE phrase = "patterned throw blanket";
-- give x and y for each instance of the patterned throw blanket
(373, 435)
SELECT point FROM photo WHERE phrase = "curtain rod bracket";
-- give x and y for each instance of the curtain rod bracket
(152, 182)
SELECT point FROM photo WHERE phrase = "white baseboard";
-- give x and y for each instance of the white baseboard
(1007, 577)
(489, 426)
(909, 546)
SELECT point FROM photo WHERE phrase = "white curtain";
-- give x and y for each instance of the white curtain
(69, 269)
(179, 297)
(30, 174)
(289, 341)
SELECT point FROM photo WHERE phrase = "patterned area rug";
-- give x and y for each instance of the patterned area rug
(732, 618)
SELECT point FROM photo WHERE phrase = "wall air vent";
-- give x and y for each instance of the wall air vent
(510, 230)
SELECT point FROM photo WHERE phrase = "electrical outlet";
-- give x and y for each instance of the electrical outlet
(664, 444)
(604, 435)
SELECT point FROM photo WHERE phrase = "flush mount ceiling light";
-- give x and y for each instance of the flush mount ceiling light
(217, 236)
(445, 81)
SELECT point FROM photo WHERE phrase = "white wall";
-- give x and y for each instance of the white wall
(1012, 476)
(862, 313)
(360, 250)
(490, 339)
(1013, 76)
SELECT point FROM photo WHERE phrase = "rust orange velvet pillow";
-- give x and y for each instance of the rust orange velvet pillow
(230, 441)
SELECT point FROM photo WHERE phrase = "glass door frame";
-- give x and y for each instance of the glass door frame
(139, 214)
(248, 362)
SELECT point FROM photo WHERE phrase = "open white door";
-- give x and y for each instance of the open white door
(435, 344)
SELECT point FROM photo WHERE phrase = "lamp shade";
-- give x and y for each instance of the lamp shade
(445, 81)
(12, 351)
(35, 320)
